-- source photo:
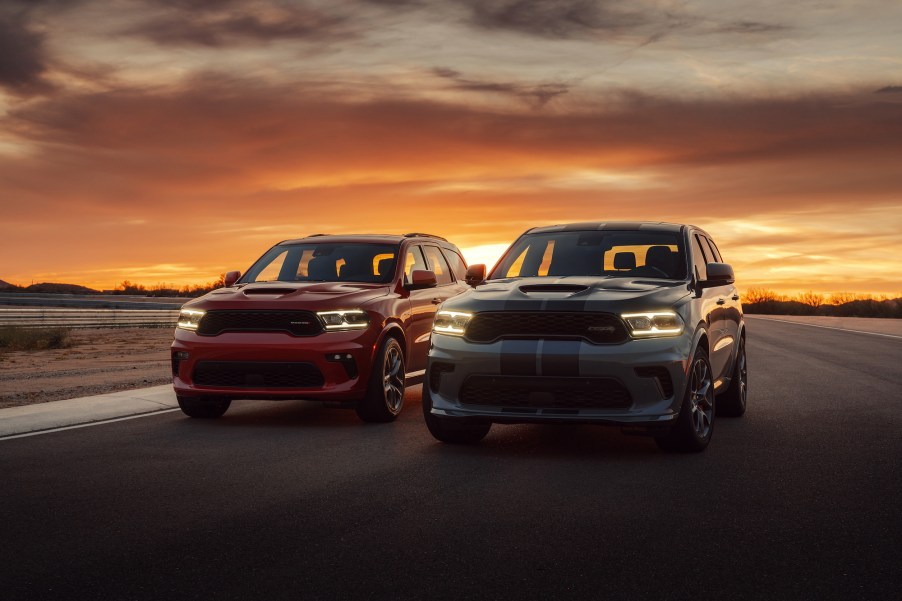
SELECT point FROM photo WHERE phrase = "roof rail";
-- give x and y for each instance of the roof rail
(420, 234)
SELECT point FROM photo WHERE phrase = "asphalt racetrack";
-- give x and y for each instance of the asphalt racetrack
(799, 499)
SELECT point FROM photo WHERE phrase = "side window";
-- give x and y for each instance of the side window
(699, 259)
(517, 265)
(271, 272)
(413, 261)
(714, 252)
(458, 267)
(438, 264)
(537, 259)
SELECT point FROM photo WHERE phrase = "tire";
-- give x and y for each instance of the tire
(733, 401)
(385, 393)
(448, 431)
(695, 424)
(203, 408)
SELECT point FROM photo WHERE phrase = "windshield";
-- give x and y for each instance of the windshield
(322, 262)
(595, 253)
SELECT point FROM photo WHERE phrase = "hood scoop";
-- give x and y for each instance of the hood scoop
(562, 288)
(270, 291)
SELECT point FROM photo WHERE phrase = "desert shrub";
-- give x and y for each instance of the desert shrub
(811, 298)
(18, 338)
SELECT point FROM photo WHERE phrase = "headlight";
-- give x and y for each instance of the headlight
(451, 322)
(351, 319)
(656, 323)
(189, 319)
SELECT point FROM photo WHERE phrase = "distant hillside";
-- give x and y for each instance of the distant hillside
(51, 288)
(5, 285)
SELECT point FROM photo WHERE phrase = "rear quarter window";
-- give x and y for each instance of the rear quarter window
(699, 258)
(438, 264)
(458, 266)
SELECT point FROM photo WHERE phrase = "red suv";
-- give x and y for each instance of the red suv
(342, 319)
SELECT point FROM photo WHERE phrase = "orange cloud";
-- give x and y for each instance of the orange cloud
(211, 172)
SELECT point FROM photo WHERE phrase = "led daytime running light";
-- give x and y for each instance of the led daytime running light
(453, 323)
(350, 319)
(655, 323)
(189, 319)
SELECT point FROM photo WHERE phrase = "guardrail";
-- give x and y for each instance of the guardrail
(87, 318)
(90, 302)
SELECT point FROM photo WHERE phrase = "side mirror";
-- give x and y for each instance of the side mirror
(231, 277)
(421, 278)
(475, 274)
(719, 274)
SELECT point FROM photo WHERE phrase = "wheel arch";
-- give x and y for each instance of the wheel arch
(700, 339)
(392, 329)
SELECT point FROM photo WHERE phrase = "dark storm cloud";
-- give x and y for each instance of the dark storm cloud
(889, 90)
(22, 55)
(535, 95)
(215, 24)
(559, 19)
(752, 27)
(401, 3)
(24, 60)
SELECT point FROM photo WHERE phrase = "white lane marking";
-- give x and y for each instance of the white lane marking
(814, 325)
(415, 374)
(97, 423)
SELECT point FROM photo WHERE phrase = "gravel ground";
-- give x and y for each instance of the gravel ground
(99, 361)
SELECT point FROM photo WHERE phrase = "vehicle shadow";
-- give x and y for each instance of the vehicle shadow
(545, 441)
(526, 441)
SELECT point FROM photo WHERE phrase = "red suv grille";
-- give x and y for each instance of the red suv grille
(298, 323)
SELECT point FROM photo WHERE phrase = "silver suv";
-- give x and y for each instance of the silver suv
(636, 325)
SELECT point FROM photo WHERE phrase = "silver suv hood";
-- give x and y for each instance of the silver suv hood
(611, 294)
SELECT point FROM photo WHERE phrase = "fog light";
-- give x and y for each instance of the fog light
(435, 374)
(177, 358)
(346, 360)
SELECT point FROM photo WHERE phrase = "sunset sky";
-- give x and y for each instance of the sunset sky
(167, 141)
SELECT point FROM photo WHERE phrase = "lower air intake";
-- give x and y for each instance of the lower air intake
(257, 374)
(545, 392)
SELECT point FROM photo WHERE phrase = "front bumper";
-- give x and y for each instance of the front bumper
(338, 383)
(565, 361)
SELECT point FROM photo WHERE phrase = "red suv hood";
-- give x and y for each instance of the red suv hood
(311, 296)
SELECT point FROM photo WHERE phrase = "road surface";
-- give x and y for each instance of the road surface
(797, 500)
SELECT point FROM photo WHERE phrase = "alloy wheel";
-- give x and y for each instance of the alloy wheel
(393, 379)
(743, 376)
(701, 399)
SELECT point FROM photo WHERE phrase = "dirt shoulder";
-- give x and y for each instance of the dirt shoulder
(99, 361)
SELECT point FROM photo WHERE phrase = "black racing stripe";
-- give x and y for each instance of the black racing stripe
(518, 357)
(560, 358)
(523, 305)
(566, 304)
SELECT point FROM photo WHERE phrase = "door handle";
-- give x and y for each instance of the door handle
(735, 297)
(721, 301)
(436, 301)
